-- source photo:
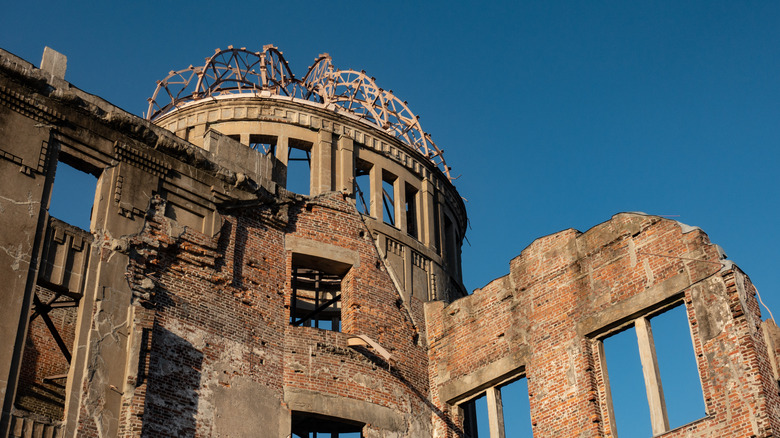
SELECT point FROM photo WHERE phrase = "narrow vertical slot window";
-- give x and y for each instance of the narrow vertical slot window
(677, 364)
(632, 418)
(299, 167)
(363, 187)
(517, 409)
(411, 211)
(388, 198)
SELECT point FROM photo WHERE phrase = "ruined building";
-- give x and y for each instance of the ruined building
(272, 255)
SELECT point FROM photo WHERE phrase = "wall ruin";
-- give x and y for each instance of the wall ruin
(185, 309)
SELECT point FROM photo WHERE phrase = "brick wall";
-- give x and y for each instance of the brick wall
(211, 312)
(43, 358)
(567, 290)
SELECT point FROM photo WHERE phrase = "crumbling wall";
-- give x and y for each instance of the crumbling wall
(215, 352)
(393, 392)
(566, 291)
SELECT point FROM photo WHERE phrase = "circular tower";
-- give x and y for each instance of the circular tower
(350, 225)
(331, 130)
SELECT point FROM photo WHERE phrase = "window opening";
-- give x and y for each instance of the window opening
(517, 409)
(436, 228)
(653, 350)
(677, 365)
(265, 144)
(411, 211)
(485, 415)
(306, 425)
(449, 242)
(627, 385)
(388, 198)
(73, 194)
(299, 167)
(475, 418)
(363, 187)
(316, 299)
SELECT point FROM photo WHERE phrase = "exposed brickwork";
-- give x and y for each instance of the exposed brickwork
(184, 325)
(43, 358)
(553, 305)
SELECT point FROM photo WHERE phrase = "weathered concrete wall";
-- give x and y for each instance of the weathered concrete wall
(566, 291)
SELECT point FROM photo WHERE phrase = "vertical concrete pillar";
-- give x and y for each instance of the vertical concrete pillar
(244, 138)
(376, 192)
(282, 152)
(322, 163)
(495, 412)
(282, 149)
(655, 394)
(426, 213)
(399, 186)
(607, 388)
(345, 167)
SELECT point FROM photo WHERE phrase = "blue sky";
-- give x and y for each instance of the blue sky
(556, 114)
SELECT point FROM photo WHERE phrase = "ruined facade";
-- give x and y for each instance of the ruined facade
(211, 296)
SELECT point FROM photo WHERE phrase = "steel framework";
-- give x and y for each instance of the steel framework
(239, 71)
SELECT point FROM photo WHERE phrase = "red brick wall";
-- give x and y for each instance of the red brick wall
(559, 284)
(225, 300)
(43, 358)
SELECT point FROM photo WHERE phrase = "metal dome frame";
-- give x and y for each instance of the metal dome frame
(240, 71)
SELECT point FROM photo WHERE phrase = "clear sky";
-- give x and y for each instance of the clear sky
(556, 115)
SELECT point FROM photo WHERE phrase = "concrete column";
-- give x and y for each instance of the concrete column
(495, 412)
(426, 213)
(280, 169)
(655, 393)
(375, 190)
(607, 388)
(244, 138)
(322, 163)
(282, 149)
(399, 187)
(345, 167)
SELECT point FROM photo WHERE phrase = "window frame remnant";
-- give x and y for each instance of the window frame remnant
(59, 191)
(301, 146)
(362, 175)
(411, 210)
(651, 372)
(325, 304)
(388, 199)
(495, 408)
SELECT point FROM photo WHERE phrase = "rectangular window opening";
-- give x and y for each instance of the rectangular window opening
(316, 299)
(659, 389)
(388, 198)
(475, 418)
(516, 408)
(678, 368)
(411, 211)
(73, 193)
(363, 187)
(436, 228)
(449, 243)
(299, 166)
(511, 405)
(265, 144)
(307, 425)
